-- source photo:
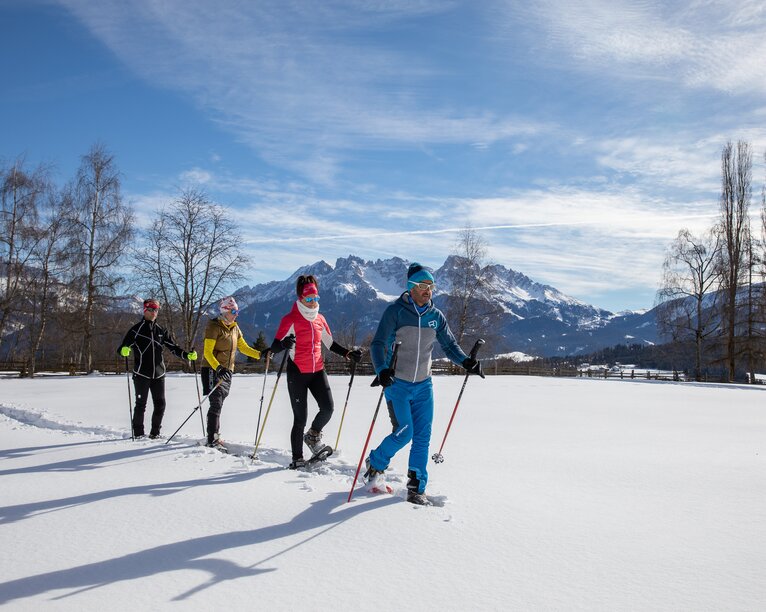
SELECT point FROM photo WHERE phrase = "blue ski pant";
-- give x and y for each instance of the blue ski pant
(412, 405)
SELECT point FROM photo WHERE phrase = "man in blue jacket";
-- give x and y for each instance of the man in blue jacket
(416, 323)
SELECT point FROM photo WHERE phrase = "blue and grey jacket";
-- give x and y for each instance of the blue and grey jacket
(401, 322)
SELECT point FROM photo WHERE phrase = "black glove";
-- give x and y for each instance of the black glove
(473, 366)
(287, 342)
(223, 374)
(355, 355)
(265, 353)
(385, 378)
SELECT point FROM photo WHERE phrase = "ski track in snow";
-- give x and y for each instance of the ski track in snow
(239, 454)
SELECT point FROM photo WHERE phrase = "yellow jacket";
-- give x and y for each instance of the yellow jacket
(222, 342)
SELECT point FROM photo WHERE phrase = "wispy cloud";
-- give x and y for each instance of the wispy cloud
(700, 44)
(300, 85)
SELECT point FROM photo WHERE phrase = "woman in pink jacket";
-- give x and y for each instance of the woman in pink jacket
(305, 368)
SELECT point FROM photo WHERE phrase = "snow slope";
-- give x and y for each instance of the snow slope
(554, 495)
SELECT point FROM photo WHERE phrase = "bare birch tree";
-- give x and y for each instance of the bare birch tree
(736, 191)
(193, 256)
(19, 194)
(470, 307)
(689, 295)
(102, 229)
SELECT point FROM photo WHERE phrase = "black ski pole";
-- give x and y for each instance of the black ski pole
(260, 407)
(199, 397)
(343, 415)
(372, 425)
(197, 407)
(254, 456)
(438, 457)
(130, 398)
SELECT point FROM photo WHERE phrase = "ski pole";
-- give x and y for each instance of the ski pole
(343, 415)
(130, 398)
(263, 393)
(197, 407)
(372, 425)
(254, 456)
(438, 457)
(199, 397)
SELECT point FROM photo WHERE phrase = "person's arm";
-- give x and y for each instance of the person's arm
(129, 338)
(169, 342)
(208, 352)
(248, 350)
(382, 343)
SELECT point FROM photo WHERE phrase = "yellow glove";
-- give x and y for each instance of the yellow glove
(125, 351)
(191, 355)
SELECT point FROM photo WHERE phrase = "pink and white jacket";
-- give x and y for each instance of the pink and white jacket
(310, 335)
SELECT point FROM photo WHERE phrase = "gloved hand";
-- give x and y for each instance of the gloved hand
(355, 355)
(266, 353)
(385, 378)
(192, 355)
(125, 351)
(223, 373)
(473, 366)
(288, 342)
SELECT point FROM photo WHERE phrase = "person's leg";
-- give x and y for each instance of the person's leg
(320, 390)
(141, 386)
(157, 388)
(297, 387)
(215, 406)
(422, 420)
(399, 397)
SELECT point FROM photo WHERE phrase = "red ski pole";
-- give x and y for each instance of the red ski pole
(438, 457)
(372, 426)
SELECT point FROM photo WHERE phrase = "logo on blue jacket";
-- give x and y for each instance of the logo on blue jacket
(432, 324)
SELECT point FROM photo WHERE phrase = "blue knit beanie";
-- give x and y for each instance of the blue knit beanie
(417, 274)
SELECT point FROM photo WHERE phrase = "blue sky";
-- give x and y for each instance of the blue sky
(578, 137)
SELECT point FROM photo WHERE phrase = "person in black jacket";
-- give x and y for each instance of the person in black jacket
(147, 339)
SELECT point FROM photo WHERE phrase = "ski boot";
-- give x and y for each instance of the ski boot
(374, 479)
(319, 451)
(413, 494)
(217, 444)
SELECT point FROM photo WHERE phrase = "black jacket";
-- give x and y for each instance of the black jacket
(147, 340)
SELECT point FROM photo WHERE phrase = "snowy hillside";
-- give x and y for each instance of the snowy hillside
(555, 494)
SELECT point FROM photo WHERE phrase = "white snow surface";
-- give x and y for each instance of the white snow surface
(555, 494)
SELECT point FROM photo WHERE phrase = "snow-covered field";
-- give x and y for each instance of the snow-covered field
(555, 494)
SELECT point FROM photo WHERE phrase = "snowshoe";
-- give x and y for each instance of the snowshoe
(324, 452)
(296, 464)
(217, 444)
(374, 479)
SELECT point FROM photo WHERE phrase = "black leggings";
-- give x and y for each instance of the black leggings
(143, 387)
(298, 385)
(209, 380)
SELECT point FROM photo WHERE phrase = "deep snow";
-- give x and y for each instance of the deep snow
(555, 494)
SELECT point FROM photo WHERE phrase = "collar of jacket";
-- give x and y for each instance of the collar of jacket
(406, 300)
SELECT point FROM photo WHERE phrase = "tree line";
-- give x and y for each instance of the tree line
(712, 296)
(66, 250)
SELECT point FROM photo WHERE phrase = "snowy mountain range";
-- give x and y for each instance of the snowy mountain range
(529, 317)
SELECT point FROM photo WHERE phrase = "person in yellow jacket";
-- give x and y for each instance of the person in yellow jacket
(222, 340)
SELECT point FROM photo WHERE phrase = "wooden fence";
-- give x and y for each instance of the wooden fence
(338, 367)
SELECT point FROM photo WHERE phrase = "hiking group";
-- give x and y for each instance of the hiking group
(401, 353)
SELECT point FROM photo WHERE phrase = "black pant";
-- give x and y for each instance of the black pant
(298, 386)
(143, 387)
(209, 380)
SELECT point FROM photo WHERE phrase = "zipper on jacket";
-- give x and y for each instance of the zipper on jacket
(417, 354)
